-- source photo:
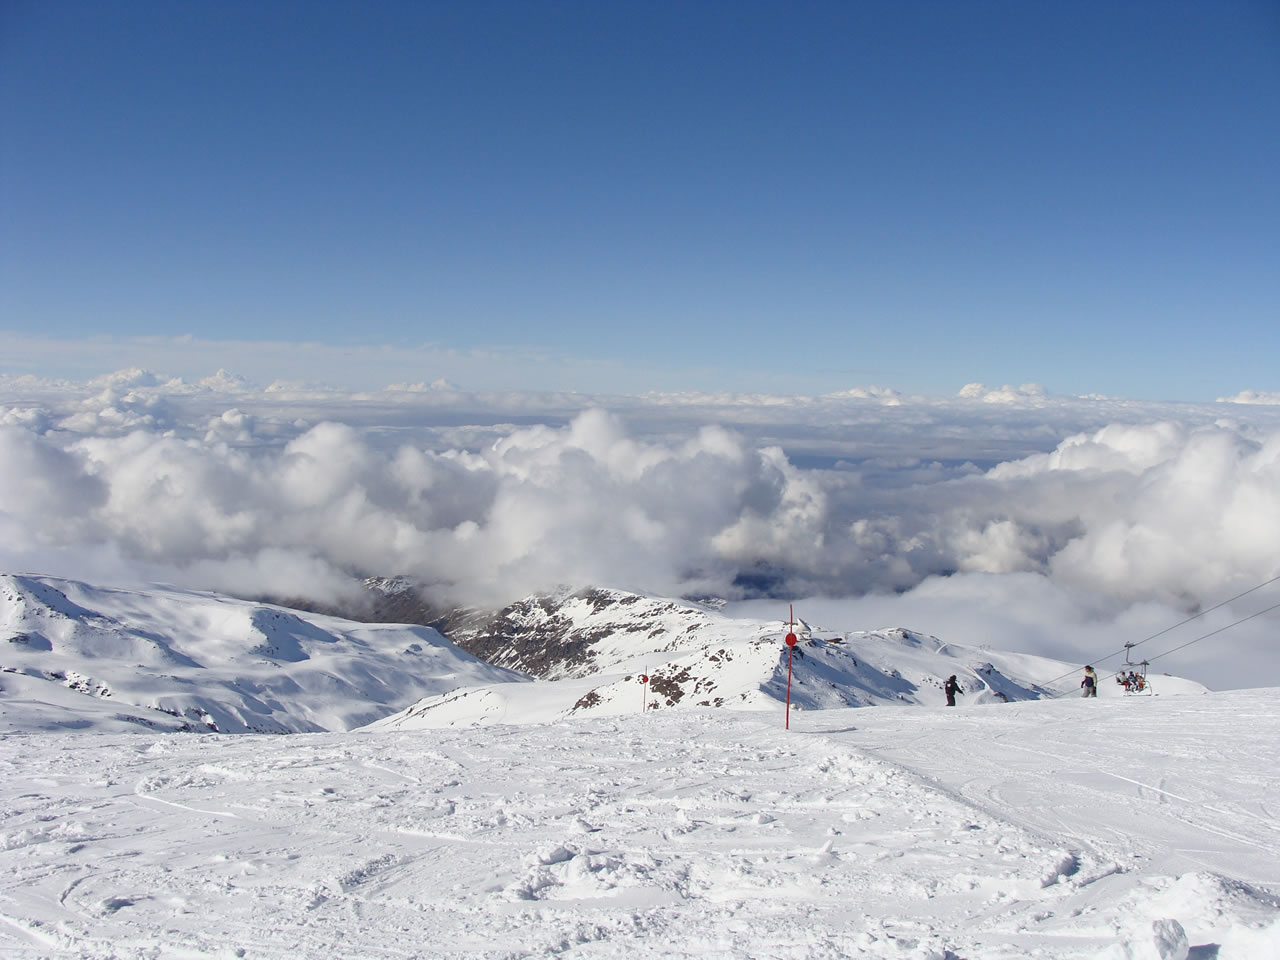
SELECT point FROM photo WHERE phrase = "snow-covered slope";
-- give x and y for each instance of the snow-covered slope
(76, 656)
(596, 646)
(1109, 829)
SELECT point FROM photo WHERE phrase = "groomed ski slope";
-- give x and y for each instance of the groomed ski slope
(1142, 828)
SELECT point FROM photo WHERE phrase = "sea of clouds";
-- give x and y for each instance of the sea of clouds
(1006, 516)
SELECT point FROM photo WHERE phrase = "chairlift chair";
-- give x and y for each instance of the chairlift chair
(1135, 673)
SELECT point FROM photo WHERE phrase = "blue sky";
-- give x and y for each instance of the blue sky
(799, 197)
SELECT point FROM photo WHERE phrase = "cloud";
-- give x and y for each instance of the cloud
(541, 506)
(44, 489)
(215, 485)
(1005, 394)
(1252, 396)
(1162, 511)
(885, 395)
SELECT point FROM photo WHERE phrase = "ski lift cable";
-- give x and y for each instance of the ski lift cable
(1274, 606)
(1149, 660)
(1209, 610)
(1197, 616)
(1212, 633)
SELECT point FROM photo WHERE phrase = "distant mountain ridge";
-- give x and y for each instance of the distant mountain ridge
(76, 656)
(550, 636)
(594, 645)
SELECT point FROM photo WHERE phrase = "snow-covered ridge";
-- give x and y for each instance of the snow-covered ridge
(79, 656)
(595, 645)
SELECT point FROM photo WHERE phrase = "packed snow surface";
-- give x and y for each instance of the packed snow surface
(1116, 827)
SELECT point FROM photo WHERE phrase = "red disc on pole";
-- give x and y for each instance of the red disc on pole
(791, 642)
(644, 678)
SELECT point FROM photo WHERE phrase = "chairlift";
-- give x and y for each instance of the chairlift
(1133, 676)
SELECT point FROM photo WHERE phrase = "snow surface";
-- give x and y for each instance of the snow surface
(1116, 828)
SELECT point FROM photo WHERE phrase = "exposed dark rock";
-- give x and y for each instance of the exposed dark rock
(672, 687)
(588, 700)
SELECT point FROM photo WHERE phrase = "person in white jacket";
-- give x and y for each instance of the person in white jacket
(1090, 682)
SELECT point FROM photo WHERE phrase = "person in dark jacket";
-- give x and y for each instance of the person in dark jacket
(951, 688)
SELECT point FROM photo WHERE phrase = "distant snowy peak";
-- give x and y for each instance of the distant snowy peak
(578, 633)
(389, 586)
(571, 632)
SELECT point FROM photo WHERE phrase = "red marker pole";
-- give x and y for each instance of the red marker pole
(791, 642)
(644, 691)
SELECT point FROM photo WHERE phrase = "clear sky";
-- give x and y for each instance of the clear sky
(803, 195)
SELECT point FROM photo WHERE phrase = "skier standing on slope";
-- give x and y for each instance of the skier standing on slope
(1090, 682)
(951, 688)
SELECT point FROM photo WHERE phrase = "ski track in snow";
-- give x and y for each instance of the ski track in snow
(1052, 829)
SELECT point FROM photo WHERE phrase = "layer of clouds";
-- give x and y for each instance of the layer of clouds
(1090, 514)
(293, 366)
